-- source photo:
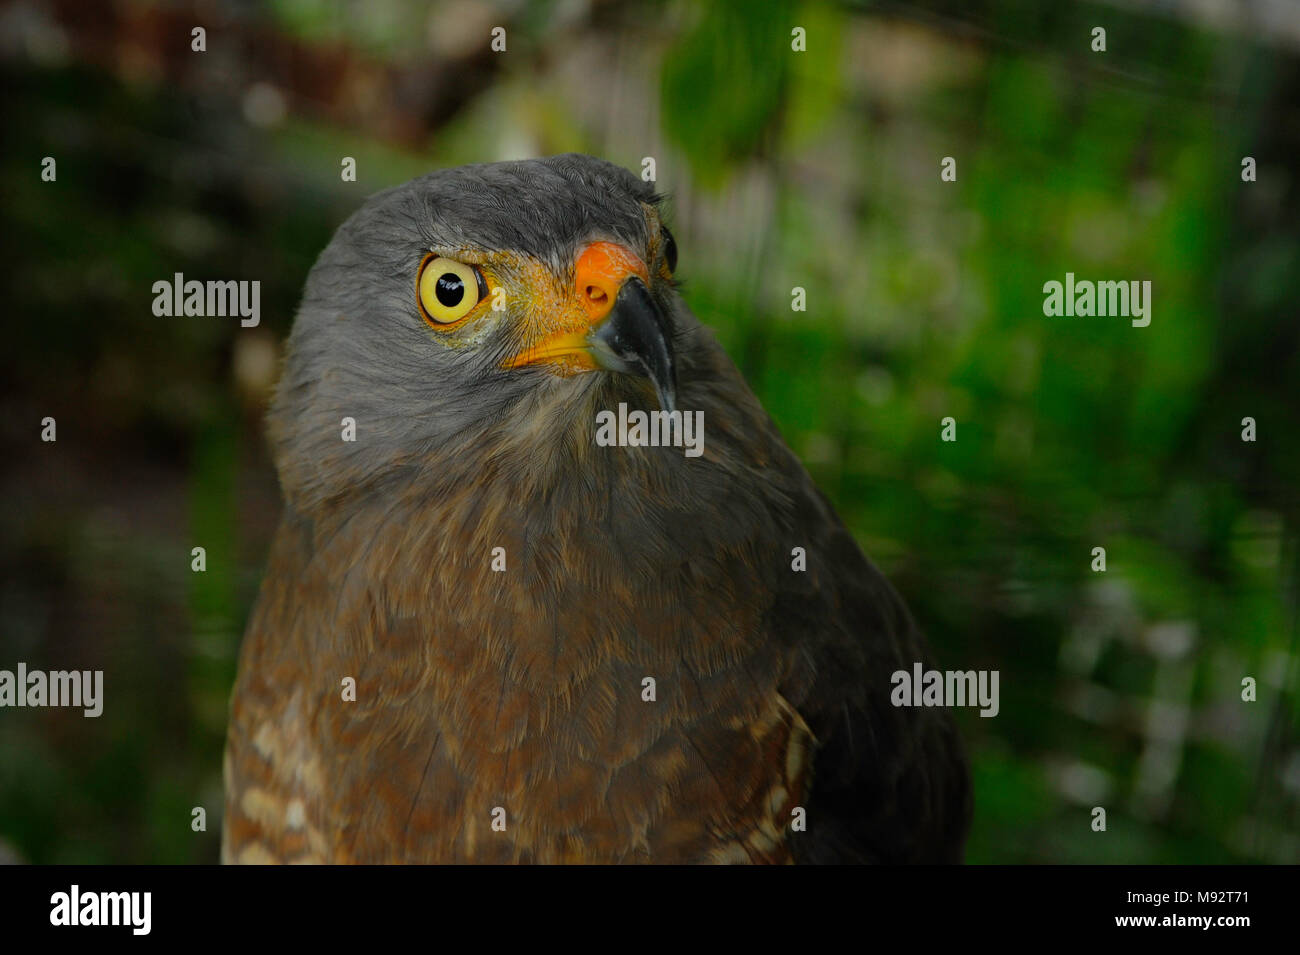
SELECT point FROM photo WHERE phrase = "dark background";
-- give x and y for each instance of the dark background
(821, 170)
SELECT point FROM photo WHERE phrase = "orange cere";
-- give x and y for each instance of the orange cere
(561, 337)
(601, 271)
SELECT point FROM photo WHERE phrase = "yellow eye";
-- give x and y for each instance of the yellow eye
(448, 290)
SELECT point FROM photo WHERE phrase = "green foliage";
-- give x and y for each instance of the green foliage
(723, 83)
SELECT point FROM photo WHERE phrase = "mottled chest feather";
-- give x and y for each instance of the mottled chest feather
(518, 696)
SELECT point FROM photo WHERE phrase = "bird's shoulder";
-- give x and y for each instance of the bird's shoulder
(886, 783)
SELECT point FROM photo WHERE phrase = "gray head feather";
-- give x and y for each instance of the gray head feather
(360, 349)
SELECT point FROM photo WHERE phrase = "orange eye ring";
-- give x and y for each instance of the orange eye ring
(449, 291)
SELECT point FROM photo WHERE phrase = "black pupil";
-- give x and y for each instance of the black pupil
(670, 251)
(450, 289)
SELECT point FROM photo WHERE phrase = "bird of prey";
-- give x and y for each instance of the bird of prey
(483, 636)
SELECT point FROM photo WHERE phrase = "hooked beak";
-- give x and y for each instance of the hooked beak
(635, 340)
(615, 325)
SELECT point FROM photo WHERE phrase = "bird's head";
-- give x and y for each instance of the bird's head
(486, 300)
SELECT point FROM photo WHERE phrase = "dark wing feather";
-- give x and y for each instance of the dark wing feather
(889, 784)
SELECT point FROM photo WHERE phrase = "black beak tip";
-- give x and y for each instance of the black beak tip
(667, 396)
(637, 339)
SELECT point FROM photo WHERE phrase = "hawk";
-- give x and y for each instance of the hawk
(483, 636)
